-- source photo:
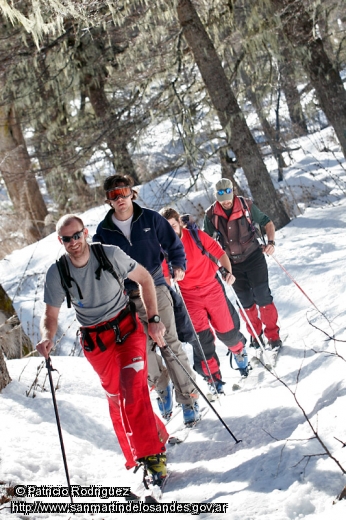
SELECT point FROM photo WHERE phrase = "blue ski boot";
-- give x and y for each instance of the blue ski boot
(241, 360)
(191, 413)
(165, 401)
(218, 384)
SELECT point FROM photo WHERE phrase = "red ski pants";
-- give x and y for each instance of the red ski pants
(209, 308)
(262, 318)
(122, 369)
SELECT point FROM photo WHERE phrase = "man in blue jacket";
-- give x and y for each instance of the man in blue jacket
(142, 234)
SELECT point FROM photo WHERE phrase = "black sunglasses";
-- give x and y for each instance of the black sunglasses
(76, 236)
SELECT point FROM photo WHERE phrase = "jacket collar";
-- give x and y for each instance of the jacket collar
(237, 210)
(108, 221)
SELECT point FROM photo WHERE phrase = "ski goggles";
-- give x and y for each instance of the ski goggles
(76, 236)
(227, 190)
(121, 191)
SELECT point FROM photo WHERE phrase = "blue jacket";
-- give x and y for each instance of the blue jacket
(150, 233)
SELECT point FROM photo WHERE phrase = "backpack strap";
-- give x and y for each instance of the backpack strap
(193, 230)
(255, 228)
(247, 213)
(195, 236)
(66, 279)
(214, 219)
(104, 263)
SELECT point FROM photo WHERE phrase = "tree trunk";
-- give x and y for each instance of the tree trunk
(13, 340)
(4, 375)
(292, 96)
(20, 180)
(229, 114)
(55, 147)
(116, 137)
(228, 169)
(298, 27)
(268, 130)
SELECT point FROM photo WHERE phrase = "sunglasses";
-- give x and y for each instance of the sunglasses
(227, 190)
(115, 193)
(76, 236)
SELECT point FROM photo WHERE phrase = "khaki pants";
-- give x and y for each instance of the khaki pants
(159, 374)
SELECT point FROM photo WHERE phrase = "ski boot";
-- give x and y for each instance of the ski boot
(155, 469)
(191, 413)
(165, 402)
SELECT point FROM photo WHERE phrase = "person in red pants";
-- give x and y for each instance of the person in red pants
(231, 221)
(112, 338)
(207, 304)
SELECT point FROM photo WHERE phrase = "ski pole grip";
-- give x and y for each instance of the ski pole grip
(224, 272)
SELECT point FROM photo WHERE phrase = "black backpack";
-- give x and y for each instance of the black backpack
(66, 278)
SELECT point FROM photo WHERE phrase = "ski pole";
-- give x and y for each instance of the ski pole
(224, 271)
(267, 362)
(198, 342)
(293, 280)
(247, 318)
(50, 370)
(200, 391)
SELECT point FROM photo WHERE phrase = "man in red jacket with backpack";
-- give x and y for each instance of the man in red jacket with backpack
(207, 303)
(231, 221)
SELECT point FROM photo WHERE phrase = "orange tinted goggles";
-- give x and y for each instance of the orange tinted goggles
(115, 193)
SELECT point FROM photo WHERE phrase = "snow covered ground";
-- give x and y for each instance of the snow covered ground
(279, 471)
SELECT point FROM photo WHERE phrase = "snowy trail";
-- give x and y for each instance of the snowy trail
(276, 473)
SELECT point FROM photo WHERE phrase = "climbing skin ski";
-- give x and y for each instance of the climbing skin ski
(181, 433)
(270, 355)
(266, 359)
(149, 493)
(242, 380)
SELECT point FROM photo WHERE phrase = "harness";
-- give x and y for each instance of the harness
(114, 324)
(104, 264)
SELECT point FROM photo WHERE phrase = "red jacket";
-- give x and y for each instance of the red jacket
(200, 269)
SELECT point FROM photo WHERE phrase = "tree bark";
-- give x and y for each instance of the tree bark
(116, 137)
(269, 132)
(229, 114)
(20, 180)
(4, 375)
(228, 169)
(291, 92)
(55, 147)
(298, 27)
(13, 340)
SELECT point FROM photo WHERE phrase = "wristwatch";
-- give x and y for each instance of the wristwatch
(154, 319)
(271, 242)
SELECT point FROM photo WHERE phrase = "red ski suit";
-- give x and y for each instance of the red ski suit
(207, 303)
(123, 372)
